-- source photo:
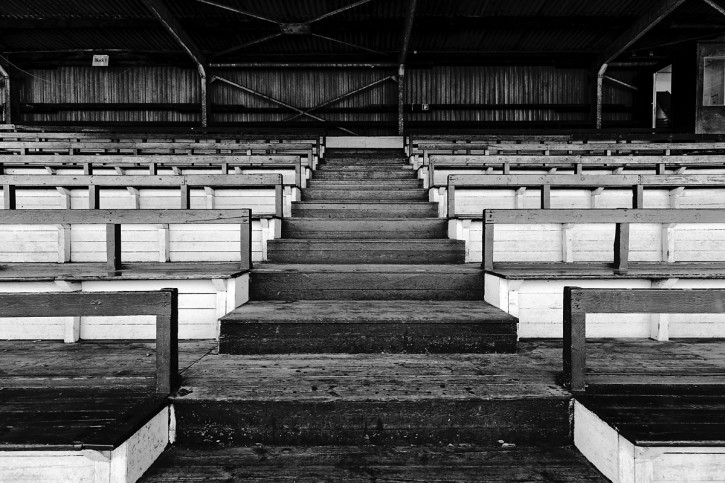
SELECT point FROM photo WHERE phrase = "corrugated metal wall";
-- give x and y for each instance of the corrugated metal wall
(307, 88)
(144, 84)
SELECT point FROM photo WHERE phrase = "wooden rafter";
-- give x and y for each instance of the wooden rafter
(643, 25)
(172, 25)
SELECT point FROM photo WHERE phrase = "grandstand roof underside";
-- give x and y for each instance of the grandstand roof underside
(569, 32)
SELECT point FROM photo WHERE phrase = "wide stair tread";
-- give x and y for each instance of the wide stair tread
(364, 209)
(366, 282)
(380, 194)
(366, 251)
(364, 464)
(387, 399)
(334, 326)
(360, 228)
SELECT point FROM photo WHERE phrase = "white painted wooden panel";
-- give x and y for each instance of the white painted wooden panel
(702, 198)
(540, 310)
(689, 465)
(19, 243)
(701, 242)
(37, 199)
(47, 466)
(597, 441)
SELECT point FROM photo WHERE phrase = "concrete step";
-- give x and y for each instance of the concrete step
(366, 463)
(366, 282)
(371, 399)
(380, 209)
(363, 174)
(365, 184)
(366, 251)
(389, 163)
(368, 326)
(316, 194)
(350, 228)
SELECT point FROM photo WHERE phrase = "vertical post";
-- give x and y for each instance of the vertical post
(638, 196)
(621, 247)
(431, 173)
(246, 242)
(279, 199)
(87, 169)
(545, 197)
(167, 344)
(94, 197)
(574, 344)
(401, 99)
(488, 228)
(185, 197)
(451, 200)
(9, 198)
(298, 173)
(600, 94)
(152, 168)
(113, 247)
(8, 118)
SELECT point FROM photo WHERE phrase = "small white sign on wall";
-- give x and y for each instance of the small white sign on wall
(100, 61)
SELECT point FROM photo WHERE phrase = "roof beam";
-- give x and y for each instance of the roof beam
(172, 25)
(409, 16)
(640, 28)
(643, 25)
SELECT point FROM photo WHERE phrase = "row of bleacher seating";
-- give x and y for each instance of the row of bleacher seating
(171, 164)
(184, 183)
(562, 208)
(545, 183)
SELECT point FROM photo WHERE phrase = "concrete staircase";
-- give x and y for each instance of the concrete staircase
(378, 239)
(367, 336)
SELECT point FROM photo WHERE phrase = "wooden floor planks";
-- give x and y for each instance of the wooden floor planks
(373, 464)
(84, 395)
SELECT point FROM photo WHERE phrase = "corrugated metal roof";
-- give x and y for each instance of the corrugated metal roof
(441, 27)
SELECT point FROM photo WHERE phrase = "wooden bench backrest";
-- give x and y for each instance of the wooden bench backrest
(637, 183)
(578, 302)
(163, 305)
(621, 217)
(113, 219)
(93, 183)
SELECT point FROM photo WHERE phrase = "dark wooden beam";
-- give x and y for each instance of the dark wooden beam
(409, 17)
(643, 25)
(172, 25)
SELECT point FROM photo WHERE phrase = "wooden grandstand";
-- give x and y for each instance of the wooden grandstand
(362, 241)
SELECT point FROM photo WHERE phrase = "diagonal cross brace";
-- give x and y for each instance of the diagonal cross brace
(275, 101)
(343, 96)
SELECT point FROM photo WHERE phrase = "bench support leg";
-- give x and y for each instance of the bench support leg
(660, 323)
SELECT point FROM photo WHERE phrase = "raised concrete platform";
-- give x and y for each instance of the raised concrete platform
(373, 463)
(533, 292)
(366, 282)
(85, 412)
(339, 326)
(207, 291)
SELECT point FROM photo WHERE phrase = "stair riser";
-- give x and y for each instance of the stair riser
(384, 162)
(259, 337)
(352, 175)
(363, 229)
(367, 195)
(534, 421)
(365, 184)
(347, 211)
(347, 257)
(365, 286)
